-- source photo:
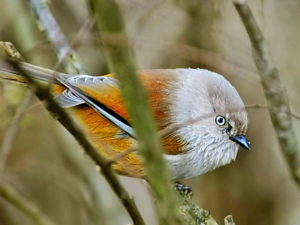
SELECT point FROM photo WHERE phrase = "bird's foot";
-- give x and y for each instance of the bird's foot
(183, 189)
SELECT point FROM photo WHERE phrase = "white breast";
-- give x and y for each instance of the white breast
(205, 147)
(198, 161)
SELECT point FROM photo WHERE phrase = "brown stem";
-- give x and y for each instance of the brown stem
(277, 99)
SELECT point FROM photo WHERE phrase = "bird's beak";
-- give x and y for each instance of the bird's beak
(242, 141)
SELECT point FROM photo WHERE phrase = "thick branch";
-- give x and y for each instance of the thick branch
(275, 93)
(121, 62)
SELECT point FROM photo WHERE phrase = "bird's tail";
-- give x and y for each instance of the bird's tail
(7, 72)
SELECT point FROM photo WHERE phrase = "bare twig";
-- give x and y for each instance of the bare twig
(48, 24)
(121, 155)
(172, 128)
(274, 91)
(23, 205)
(257, 106)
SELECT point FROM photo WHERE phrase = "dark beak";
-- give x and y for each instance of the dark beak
(242, 141)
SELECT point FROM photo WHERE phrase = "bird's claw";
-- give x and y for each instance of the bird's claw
(183, 189)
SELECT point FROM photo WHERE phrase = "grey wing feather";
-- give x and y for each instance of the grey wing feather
(91, 81)
(74, 96)
(67, 99)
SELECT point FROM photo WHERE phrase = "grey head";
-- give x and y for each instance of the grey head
(221, 122)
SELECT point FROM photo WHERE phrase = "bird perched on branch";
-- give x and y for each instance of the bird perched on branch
(206, 113)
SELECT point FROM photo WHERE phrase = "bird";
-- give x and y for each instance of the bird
(205, 108)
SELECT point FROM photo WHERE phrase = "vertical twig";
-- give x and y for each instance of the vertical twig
(275, 93)
(120, 59)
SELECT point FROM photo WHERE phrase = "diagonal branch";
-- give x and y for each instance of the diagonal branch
(275, 93)
(67, 122)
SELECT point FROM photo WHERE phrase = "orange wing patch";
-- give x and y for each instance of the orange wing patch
(106, 136)
(102, 133)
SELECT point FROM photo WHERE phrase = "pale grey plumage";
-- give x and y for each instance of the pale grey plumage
(206, 145)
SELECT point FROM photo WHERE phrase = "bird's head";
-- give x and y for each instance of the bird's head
(219, 119)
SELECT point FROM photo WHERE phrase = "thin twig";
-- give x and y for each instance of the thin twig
(48, 24)
(75, 61)
(275, 93)
(121, 155)
(23, 205)
(257, 106)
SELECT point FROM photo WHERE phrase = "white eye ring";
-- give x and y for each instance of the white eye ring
(220, 120)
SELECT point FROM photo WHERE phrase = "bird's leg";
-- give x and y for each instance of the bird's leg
(183, 189)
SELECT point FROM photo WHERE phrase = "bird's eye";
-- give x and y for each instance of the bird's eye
(220, 120)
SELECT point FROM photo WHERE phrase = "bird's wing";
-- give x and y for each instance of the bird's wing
(104, 96)
(100, 93)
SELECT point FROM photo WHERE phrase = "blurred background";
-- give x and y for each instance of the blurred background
(47, 167)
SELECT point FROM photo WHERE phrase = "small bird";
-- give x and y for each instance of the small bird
(177, 97)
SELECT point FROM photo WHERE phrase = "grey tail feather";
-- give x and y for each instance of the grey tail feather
(39, 73)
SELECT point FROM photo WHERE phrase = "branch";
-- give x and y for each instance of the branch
(275, 93)
(59, 114)
(63, 49)
(23, 205)
(121, 61)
